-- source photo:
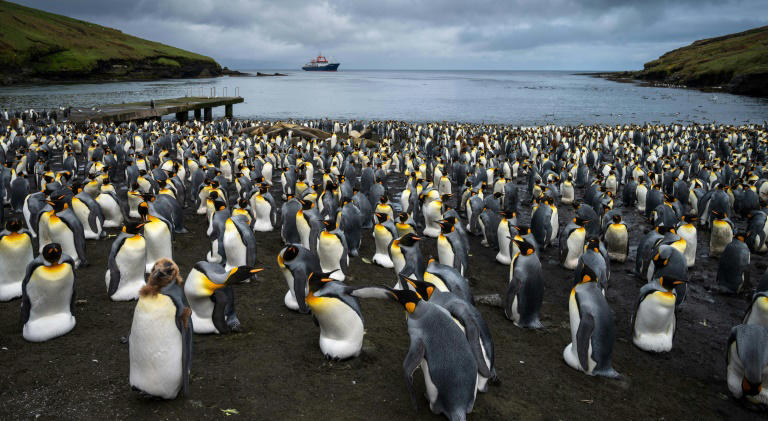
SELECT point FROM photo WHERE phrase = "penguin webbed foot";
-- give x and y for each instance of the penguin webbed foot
(233, 323)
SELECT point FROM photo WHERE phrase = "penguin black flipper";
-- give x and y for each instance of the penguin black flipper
(344, 254)
(246, 234)
(26, 305)
(646, 290)
(584, 337)
(184, 324)
(410, 364)
(220, 300)
(114, 270)
(509, 298)
(70, 219)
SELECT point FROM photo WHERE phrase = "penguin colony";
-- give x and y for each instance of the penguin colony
(63, 184)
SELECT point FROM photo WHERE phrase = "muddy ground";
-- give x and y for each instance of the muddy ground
(275, 370)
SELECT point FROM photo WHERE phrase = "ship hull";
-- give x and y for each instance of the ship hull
(327, 68)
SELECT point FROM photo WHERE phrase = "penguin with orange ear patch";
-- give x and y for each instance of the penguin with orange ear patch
(338, 315)
(297, 263)
(748, 363)
(16, 251)
(208, 288)
(654, 322)
(525, 291)
(126, 263)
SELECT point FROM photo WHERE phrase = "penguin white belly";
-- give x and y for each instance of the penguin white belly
(566, 194)
(303, 228)
(445, 186)
(431, 389)
(758, 313)
(445, 253)
(155, 348)
(158, 243)
(290, 296)
(266, 172)
(575, 245)
(570, 353)
(555, 224)
(720, 237)
(113, 218)
(654, 324)
(642, 193)
(502, 233)
(616, 238)
(28, 216)
(203, 196)
(233, 246)
(202, 312)
(15, 253)
(330, 252)
(341, 330)
(482, 381)
(60, 233)
(50, 295)
(432, 214)
(398, 262)
(688, 233)
(382, 237)
(130, 261)
(262, 215)
(213, 255)
(82, 212)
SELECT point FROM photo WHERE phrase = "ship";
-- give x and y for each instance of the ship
(320, 64)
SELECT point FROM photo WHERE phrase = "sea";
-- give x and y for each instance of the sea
(508, 97)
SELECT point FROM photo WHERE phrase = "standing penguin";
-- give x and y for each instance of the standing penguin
(263, 208)
(383, 234)
(525, 291)
(160, 343)
(733, 268)
(339, 316)
(440, 347)
(16, 252)
(48, 295)
(238, 242)
(686, 229)
(592, 330)
(297, 263)
(747, 369)
(541, 224)
(126, 264)
(653, 325)
(616, 239)
(158, 235)
(450, 247)
(508, 218)
(721, 233)
(208, 288)
(572, 241)
(333, 252)
(60, 225)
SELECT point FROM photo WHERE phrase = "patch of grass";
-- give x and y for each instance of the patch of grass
(48, 42)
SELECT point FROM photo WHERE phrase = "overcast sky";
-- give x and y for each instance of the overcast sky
(423, 34)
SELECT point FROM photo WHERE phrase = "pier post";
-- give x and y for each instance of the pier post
(197, 114)
(208, 114)
(228, 111)
(182, 116)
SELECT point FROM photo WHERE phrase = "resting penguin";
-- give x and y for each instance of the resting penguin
(439, 346)
(525, 291)
(616, 239)
(337, 314)
(733, 268)
(450, 247)
(158, 234)
(48, 295)
(475, 328)
(592, 329)
(747, 369)
(297, 263)
(208, 288)
(126, 264)
(160, 343)
(60, 225)
(721, 233)
(757, 313)
(653, 324)
(383, 234)
(333, 252)
(572, 240)
(16, 251)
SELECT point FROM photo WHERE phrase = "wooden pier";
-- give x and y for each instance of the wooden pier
(119, 113)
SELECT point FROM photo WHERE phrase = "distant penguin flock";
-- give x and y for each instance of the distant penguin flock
(325, 188)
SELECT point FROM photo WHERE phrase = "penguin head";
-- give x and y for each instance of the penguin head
(408, 298)
(329, 225)
(741, 236)
(507, 214)
(689, 218)
(52, 252)
(669, 283)
(446, 225)
(403, 217)
(587, 275)
(240, 274)
(219, 205)
(58, 202)
(13, 225)
(287, 255)
(408, 240)
(382, 217)
(522, 229)
(306, 204)
(148, 197)
(663, 229)
(593, 243)
(424, 289)
(315, 282)
(616, 218)
(751, 388)
(242, 203)
(526, 248)
(133, 227)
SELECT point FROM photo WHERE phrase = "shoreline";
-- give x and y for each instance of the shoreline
(635, 77)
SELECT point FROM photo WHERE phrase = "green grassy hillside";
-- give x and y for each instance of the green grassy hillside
(39, 45)
(737, 62)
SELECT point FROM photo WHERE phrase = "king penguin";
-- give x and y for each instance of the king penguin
(332, 251)
(48, 295)
(16, 252)
(383, 234)
(297, 263)
(616, 239)
(60, 225)
(338, 315)
(525, 291)
(126, 264)
(654, 322)
(747, 369)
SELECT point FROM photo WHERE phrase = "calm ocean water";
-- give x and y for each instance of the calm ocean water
(518, 97)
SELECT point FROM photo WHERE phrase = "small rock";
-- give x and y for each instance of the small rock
(81, 302)
(123, 340)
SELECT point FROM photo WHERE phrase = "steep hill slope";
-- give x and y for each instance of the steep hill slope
(39, 46)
